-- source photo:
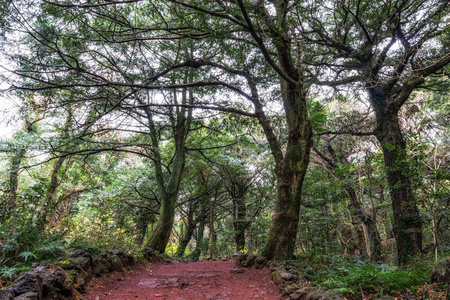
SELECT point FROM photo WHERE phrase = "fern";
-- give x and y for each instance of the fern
(26, 255)
(356, 275)
(8, 272)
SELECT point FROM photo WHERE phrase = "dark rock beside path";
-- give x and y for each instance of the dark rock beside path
(6, 294)
(45, 281)
(52, 280)
(28, 296)
(248, 261)
(153, 256)
(28, 283)
(237, 270)
(81, 260)
(127, 259)
(315, 293)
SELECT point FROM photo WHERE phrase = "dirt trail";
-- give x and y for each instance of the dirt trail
(209, 280)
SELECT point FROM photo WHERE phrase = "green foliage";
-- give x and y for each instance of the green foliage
(26, 255)
(353, 275)
(317, 114)
(30, 244)
(85, 244)
(8, 272)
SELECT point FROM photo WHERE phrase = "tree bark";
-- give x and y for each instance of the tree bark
(51, 203)
(201, 228)
(373, 235)
(185, 240)
(169, 192)
(188, 232)
(211, 226)
(407, 221)
(290, 172)
(240, 223)
(159, 237)
(238, 183)
(11, 192)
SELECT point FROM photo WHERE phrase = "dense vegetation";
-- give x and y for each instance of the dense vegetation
(311, 133)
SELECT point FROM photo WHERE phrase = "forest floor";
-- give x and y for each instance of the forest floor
(209, 280)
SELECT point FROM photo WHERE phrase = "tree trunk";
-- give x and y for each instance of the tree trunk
(14, 174)
(50, 205)
(11, 193)
(185, 240)
(361, 240)
(201, 228)
(290, 172)
(169, 192)
(211, 227)
(159, 238)
(237, 189)
(188, 232)
(240, 222)
(369, 223)
(407, 220)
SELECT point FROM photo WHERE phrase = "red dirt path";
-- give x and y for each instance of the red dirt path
(209, 280)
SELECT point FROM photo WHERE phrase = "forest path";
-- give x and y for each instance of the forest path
(209, 280)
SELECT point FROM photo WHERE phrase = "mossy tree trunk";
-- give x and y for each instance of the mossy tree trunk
(237, 185)
(168, 191)
(407, 221)
(200, 231)
(290, 170)
(189, 229)
(369, 222)
(13, 183)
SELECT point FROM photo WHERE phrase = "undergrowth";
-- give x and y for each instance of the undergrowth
(21, 245)
(353, 274)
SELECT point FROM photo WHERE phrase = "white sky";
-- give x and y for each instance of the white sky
(8, 117)
(8, 106)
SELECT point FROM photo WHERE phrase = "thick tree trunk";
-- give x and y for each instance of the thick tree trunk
(169, 192)
(161, 234)
(290, 171)
(359, 230)
(407, 220)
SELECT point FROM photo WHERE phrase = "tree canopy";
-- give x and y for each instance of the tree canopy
(279, 127)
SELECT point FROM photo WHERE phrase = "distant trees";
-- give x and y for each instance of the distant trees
(337, 163)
